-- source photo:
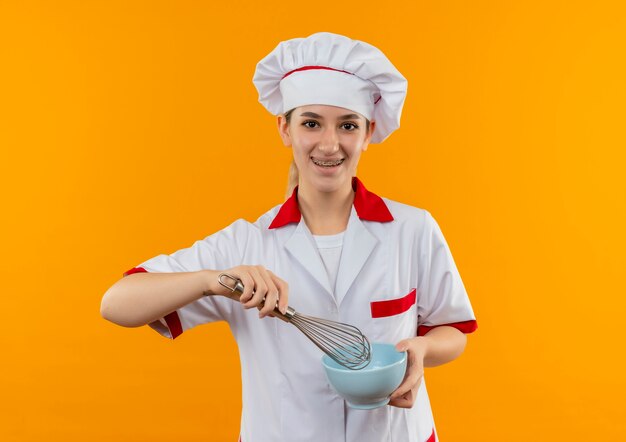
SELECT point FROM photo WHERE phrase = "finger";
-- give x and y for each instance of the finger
(403, 345)
(260, 289)
(402, 401)
(406, 384)
(405, 401)
(248, 287)
(413, 375)
(407, 398)
(271, 298)
(283, 292)
(403, 388)
(409, 383)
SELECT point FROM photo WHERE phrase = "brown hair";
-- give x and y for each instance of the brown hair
(292, 180)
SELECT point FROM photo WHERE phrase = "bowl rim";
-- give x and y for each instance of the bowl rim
(347, 370)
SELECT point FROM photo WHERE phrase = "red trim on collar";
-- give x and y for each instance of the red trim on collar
(368, 206)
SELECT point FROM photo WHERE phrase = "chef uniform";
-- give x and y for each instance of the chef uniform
(394, 277)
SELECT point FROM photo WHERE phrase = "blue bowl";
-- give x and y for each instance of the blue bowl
(371, 386)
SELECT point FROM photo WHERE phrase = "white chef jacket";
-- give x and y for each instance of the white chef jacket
(397, 279)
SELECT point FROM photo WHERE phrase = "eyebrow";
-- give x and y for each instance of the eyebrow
(343, 117)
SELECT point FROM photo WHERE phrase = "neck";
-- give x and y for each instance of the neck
(325, 213)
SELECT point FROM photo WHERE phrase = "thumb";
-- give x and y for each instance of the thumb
(402, 345)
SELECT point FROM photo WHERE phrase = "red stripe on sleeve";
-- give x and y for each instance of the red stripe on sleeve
(134, 270)
(173, 323)
(172, 320)
(465, 327)
(390, 307)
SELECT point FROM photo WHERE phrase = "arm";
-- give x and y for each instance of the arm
(141, 298)
(439, 346)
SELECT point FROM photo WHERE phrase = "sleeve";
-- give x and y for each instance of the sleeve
(221, 250)
(442, 298)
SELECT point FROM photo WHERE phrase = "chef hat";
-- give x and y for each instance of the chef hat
(332, 69)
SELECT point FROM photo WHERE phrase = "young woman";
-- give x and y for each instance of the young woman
(333, 250)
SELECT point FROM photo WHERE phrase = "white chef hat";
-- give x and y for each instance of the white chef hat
(332, 69)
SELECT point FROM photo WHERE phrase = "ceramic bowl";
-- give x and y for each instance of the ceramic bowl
(371, 386)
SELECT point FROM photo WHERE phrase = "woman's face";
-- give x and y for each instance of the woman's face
(327, 142)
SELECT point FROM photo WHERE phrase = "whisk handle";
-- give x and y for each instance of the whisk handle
(236, 290)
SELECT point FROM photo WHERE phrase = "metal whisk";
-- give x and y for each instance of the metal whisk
(344, 343)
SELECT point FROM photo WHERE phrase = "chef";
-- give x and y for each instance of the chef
(334, 249)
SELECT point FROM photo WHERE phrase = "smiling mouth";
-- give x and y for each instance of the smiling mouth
(328, 163)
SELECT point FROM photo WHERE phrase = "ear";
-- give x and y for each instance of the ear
(369, 136)
(283, 130)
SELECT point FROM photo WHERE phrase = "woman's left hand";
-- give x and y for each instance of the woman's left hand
(404, 396)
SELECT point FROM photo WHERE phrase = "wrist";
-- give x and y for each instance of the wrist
(209, 285)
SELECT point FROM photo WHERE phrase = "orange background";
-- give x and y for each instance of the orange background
(132, 128)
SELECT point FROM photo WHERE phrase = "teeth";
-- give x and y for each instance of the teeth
(328, 163)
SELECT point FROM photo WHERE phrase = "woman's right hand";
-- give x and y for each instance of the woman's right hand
(259, 284)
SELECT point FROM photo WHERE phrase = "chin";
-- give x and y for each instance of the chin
(329, 184)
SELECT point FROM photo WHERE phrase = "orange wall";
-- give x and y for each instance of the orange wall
(132, 128)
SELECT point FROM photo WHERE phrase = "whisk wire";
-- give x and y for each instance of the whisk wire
(343, 343)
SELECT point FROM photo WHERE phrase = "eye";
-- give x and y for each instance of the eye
(350, 124)
(309, 121)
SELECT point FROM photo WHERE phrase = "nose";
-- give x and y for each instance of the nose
(329, 142)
